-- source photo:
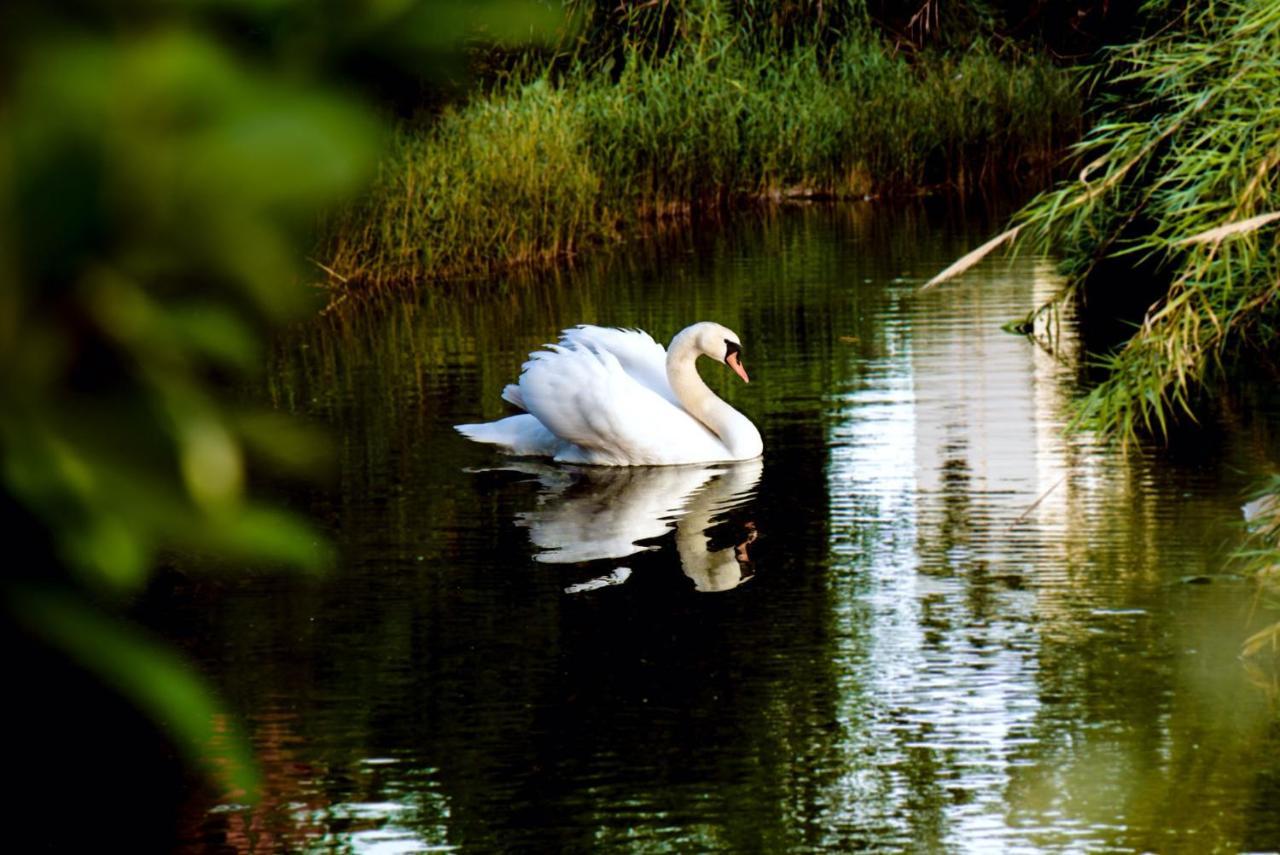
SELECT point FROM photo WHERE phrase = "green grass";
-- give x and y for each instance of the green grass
(504, 181)
(534, 171)
(1181, 173)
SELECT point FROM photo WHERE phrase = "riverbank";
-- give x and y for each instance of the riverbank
(532, 172)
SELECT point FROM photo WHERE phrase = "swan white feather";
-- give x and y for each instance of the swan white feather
(617, 398)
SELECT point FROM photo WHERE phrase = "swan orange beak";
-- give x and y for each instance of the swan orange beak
(734, 361)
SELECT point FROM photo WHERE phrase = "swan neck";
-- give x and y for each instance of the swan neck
(734, 429)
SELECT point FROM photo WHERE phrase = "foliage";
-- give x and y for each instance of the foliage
(502, 181)
(1180, 183)
(1073, 29)
(1178, 200)
(611, 32)
(535, 170)
(160, 165)
(1261, 557)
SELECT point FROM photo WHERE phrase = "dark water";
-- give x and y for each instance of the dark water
(925, 621)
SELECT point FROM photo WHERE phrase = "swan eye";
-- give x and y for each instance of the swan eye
(730, 348)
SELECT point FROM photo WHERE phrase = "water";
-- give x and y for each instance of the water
(926, 620)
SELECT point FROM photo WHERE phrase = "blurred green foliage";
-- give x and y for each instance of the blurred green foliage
(161, 165)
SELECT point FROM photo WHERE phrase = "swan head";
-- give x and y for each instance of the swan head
(716, 341)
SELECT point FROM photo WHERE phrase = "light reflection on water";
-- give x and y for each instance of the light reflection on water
(946, 464)
(963, 630)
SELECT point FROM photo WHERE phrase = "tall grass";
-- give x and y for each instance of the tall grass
(505, 180)
(535, 170)
(1180, 182)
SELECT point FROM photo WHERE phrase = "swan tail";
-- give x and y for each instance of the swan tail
(511, 394)
(522, 434)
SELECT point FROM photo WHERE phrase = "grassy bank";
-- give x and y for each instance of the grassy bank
(533, 171)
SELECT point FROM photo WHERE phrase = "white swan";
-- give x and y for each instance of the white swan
(613, 397)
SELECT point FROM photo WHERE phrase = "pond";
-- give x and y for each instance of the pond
(927, 619)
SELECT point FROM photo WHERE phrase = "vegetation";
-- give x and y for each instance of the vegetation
(160, 168)
(1178, 184)
(1176, 210)
(1262, 558)
(690, 111)
(118, 315)
(161, 165)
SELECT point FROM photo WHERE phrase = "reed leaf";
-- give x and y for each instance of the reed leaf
(1226, 231)
(1181, 158)
(972, 258)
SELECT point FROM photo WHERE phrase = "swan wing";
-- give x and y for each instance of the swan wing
(586, 398)
(636, 351)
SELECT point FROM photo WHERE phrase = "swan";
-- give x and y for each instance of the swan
(614, 397)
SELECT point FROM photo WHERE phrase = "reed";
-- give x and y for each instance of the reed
(1180, 184)
(505, 180)
(536, 170)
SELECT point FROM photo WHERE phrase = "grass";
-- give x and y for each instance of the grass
(534, 171)
(1179, 185)
(503, 181)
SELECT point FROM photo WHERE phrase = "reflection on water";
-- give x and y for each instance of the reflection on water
(597, 513)
(964, 630)
(293, 804)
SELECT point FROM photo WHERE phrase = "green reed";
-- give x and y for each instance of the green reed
(533, 171)
(505, 180)
(1180, 182)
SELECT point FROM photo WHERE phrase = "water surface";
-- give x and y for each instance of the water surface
(925, 620)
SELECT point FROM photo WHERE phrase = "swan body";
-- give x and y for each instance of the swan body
(611, 397)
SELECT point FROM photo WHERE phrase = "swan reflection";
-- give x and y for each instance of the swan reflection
(599, 513)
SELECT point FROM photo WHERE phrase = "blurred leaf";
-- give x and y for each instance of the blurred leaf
(211, 463)
(284, 440)
(446, 23)
(260, 531)
(215, 332)
(145, 672)
(116, 550)
(164, 164)
(167, 142)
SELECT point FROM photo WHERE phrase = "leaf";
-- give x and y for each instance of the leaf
(1259, 640)
(1239, 227)
(973, 257)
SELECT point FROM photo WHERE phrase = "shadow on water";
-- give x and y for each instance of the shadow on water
(959, 628)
